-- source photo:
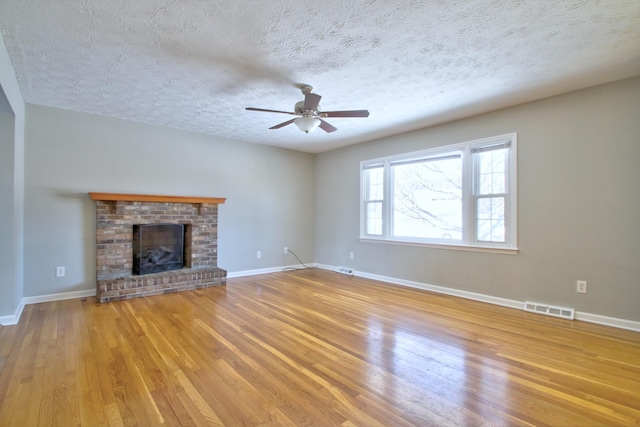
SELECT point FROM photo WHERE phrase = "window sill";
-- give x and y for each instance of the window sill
(487, 249)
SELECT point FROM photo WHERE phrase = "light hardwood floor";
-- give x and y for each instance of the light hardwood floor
(312, 348)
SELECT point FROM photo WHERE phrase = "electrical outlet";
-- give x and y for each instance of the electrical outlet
(581, 286)
(60, 271)
(286, 250)
(259, 254)
(350, 255)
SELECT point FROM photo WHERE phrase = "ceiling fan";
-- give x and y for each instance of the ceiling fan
(310, 115)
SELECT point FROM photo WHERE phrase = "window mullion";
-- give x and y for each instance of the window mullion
(468, 201)
(387, 205)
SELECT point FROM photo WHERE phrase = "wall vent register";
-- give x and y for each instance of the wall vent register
(549, 310)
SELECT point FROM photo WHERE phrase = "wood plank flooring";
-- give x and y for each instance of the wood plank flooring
(312, 348)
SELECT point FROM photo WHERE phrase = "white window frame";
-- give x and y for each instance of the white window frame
(469, 240)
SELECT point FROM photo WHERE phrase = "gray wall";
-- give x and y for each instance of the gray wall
(7, 258)
(578, 201)
(12, 124)
(269, 191)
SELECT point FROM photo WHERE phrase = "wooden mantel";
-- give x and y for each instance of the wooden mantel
(155, 198)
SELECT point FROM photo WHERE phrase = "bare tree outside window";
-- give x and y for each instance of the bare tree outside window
(428, 198)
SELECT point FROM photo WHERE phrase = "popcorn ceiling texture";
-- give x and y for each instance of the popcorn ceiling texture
(195, 65)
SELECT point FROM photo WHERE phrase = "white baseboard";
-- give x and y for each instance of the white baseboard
(232, 274)
(631, 325)
(444, 290)
(59, 297)
(441, 290)
(582, 316)
(14, 319)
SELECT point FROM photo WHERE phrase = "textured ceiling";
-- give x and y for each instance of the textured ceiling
(195, 64)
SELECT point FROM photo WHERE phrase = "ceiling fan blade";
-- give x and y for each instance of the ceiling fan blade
(283, 124)
(311, 101)
(326, 126)
(351, 113)
(270, 111)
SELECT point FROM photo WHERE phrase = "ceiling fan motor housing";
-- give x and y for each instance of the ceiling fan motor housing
(299, 109)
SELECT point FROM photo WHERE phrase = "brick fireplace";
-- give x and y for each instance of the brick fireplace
(116, 215)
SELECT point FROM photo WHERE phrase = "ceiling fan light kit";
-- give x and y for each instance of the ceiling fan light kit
(310, 115)
(307, 124)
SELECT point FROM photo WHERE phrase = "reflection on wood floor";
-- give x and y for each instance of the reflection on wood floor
(313, 348)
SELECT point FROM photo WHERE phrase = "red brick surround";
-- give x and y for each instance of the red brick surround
(114, 249)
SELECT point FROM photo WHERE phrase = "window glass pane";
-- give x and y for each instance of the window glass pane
(427, 198)
(492, 171)
(374, 218)
(490, 219)
(374, 183)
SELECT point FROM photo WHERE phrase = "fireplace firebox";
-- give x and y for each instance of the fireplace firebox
(157, 248)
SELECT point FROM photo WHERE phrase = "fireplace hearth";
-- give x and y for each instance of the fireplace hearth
(149, 245)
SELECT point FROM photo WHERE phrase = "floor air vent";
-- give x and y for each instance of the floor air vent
(549, 310)
(344, 270)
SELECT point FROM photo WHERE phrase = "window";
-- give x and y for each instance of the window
(373, 177)
(458, 195)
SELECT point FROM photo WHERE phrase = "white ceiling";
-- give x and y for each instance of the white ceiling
(196, 64)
